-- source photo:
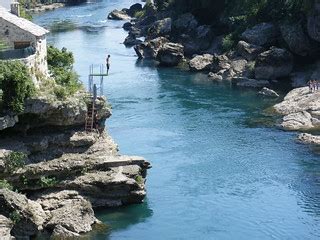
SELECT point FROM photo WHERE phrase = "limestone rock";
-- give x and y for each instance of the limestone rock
(131, 40)
(248, 51)
(274, 63)
(5, 227)
(137, 7)
(69, 112)
(29, 215)
(127, 26)
(314, 25)
(296, 39)
(149, 49)
(160, 28)
(261, 34)
(81, 139)
(118, 15)
(215, 77)
(268, 93)
(307, 138)
(69, 210)
(201, 62)
(301, 110)
(185, 23)
(171, 54)
(8, 121)
(204, 37)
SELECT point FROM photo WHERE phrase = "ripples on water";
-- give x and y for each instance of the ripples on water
(220, 171)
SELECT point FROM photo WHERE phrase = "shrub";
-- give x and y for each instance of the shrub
(15, 216)
(46, 182)
(139, 179)
(4, 184)
(227, 42)
(14, 160)
(60, 64)
(16, 84)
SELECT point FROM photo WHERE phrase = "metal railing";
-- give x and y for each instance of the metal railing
(17, 53)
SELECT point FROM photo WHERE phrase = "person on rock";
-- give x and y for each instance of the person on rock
(108, 64)
(310, 84)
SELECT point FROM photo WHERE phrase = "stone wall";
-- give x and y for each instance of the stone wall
(37, 63)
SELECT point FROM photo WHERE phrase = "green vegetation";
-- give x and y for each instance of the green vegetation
(4, 184)
(16, 85)
(46, 182)
(139, 179)
(14, 161)
(228, 42)
(62, 26)
(60, 64)
(15, 216)
(24, 4)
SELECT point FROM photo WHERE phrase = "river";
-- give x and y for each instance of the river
(220, 171)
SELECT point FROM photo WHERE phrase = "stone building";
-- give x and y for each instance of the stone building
(24, 41)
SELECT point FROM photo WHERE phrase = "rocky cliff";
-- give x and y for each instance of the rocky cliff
(53, 174)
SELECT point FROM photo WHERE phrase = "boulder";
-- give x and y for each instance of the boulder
(190, 44)
(127, 26)
(137, 7)
(149, 49)
(28, 216)
(296, 39)
(5, 228)
(201, 62)
(220, 62)
(69, 210)
(268, 93)
(70, 112)
(301, 110)
(131, 40)
(248, 51)
(274, 63)
(314, 25)
(160, 28)
(8, 121)
(118, 15)
(307, 138)
(263, 34)
(186, 23)
(204, 37)
(215, 77)
(171, 54)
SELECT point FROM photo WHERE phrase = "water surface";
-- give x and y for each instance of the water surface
(219, 172)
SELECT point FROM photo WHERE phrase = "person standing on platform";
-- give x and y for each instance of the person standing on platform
(108, 64)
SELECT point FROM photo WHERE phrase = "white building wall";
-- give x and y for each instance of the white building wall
(9, 33)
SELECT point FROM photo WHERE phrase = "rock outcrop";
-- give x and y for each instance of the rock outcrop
(170, 54)
(249, 51)
(149, 49)
(201, 62)
(118, 15)
(274, 63)
(301, 110)
(307, 138)
(5, 228)
(261, 34)
(296, 39)
(268, 93)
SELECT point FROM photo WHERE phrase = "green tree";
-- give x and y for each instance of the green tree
(16, 84)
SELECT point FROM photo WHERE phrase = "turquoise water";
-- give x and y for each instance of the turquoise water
(219, 170)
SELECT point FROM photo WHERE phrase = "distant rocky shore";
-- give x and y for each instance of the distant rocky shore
(266, 55)
(53, 174)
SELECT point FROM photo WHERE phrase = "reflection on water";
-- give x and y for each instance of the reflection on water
(220, 168)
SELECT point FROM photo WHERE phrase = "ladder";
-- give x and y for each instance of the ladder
(90, 117)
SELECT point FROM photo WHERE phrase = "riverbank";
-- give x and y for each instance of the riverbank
(45, 7)
(61, 173)
(264, 57)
